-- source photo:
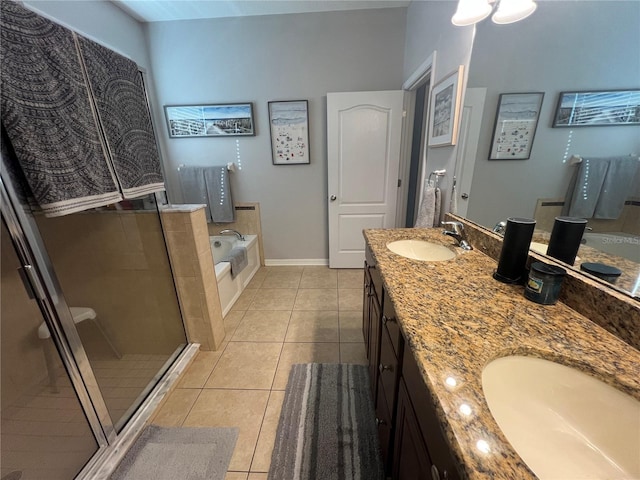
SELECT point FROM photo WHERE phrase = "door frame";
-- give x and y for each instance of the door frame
(424, 73)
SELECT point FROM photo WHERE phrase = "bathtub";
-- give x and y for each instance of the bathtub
(229, 289)
(619, 244)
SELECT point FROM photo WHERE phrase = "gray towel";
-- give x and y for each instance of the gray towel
(588, 185)
(122, 107)
(601, 187)
(437, 208)
(48, 117)
(219, 194)
(194, 189)
(617, 186)
(426, 213)
(238, 259)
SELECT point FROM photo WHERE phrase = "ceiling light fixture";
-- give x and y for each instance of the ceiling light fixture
(470, 12)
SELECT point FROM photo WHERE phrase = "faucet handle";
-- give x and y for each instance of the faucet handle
(458, 227)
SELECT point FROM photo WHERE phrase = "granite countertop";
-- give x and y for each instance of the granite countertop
(456, 318)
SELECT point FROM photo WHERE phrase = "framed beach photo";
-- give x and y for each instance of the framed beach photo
(214, 120)
(515, 127)
(598, 108)
(445, 109)
(289, 126)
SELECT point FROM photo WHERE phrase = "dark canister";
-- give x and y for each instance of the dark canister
(566, 236)
(606, 272)
(515, 250)
(543, 285)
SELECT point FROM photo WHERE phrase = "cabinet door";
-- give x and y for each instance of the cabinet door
(374, 343)
(410, 459)
(366, 325)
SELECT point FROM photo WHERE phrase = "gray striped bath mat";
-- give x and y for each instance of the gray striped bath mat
(327, 426)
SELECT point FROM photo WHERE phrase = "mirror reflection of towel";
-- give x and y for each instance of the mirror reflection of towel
(601, 187)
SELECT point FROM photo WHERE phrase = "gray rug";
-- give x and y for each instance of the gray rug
(178, 453)
(327, 426)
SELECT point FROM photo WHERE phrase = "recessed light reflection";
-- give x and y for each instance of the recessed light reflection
(465, 409)
(483, 446)
(451, 381)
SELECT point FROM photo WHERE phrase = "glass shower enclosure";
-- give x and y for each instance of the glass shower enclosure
(90, 323)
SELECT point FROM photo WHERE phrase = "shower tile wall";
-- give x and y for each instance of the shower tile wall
(190, 253)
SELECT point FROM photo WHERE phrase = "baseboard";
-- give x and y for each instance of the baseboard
(280, 262)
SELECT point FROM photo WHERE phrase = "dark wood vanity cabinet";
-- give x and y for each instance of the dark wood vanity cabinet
(411, 443)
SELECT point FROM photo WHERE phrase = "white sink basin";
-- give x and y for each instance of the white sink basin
(562, 422)
(542, 248)
(421, 250)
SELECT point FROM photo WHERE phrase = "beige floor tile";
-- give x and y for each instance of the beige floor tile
(243, 409)
(313, 326)
(293, 353)
(262, 326)
(350, 278)
(257, 476)
(198, 372)
(316, 299)
(258, 278)
(176, 407)
(262, 456)
(351, 326)
(280, 279)
(319, 277)
(246, 365)
(244, 300)
(350, 299)
(353, 353)
(274, 299)
(231, 322)
(236, 476)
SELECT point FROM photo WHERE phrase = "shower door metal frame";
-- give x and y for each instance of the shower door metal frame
(31, 251)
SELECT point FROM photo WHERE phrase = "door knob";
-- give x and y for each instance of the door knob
(465, 196)
(332, 198)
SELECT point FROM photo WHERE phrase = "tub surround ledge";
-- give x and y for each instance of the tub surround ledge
(456, 318)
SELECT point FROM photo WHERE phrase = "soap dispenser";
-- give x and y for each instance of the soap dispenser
(515, 250)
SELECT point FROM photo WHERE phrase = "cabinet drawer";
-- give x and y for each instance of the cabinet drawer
(390, 320)
(388, 370)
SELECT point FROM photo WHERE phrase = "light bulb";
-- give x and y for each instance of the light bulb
(470, 12)
(510, 11)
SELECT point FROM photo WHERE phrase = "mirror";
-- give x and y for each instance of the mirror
(565, 46)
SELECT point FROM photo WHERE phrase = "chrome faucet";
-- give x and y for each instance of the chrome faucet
(233, 232)
(458, 233)
(500, 228)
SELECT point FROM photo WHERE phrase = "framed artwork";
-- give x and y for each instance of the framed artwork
(515, 127)
(215, 120)
(289, 125)
(445, 109)
(586, 109)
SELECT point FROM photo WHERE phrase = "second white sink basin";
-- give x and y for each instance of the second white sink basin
(421, 250)
(563, 422)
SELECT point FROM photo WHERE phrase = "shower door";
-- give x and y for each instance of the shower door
(45, 433)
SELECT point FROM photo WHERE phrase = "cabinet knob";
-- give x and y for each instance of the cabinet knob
(333, 198)
(380, 422)
(382, 367)
(385, 319)
(435, 474)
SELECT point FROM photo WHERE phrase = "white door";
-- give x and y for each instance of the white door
(468, 147)
(363, 147)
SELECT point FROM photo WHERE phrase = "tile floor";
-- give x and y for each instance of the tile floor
(286, 315)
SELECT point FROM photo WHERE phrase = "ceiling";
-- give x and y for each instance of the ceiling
(168, 10)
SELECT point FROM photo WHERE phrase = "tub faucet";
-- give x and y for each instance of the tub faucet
(458, 233)
(233, 232)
